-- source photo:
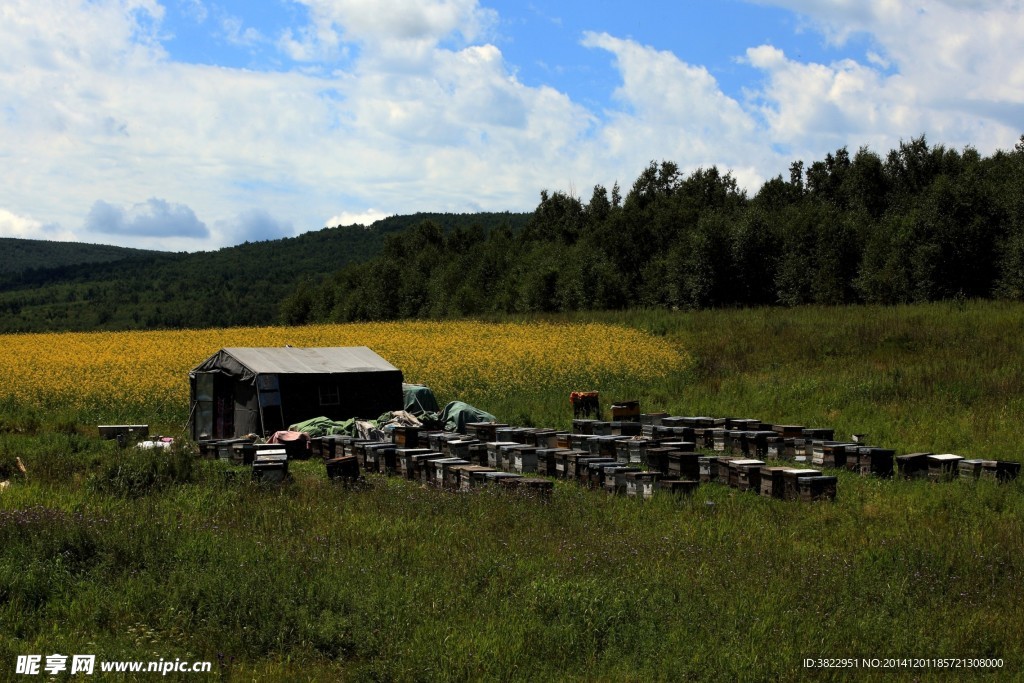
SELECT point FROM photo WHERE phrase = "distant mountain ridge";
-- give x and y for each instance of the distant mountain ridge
(58, 286)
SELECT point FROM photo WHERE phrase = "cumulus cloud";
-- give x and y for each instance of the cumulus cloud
(152, 218)
(367, 217)
(24, 227)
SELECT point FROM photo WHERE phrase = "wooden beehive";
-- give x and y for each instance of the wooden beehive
(478, 477)
(740, 473)
(943, 466)
(626, 428)
(652, 419)
(641, 484)
(722, 469)
(581, 471)
(816, 488)
(494, 453)
(270, 467)
(524, 459)
(637, 448)
(466, 473)
(877, 462)
(497, 476)
(912, 465)
(626, 411)
(460, 448)
(1001, 470)
(545, 438)
(344, 468)
(383, 456)
(443, 472)
(707, 468)
(602, 428)
(683, 465)
(484, 431)
(563, 440)
(615, 479)
(970, 469)
(773, 482)
(788, 431)
(583, 426)
(657, 458)
(405, 437)
(546, 461)
(405, 462)
(791, 478)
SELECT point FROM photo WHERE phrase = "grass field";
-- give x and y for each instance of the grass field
(126, 557)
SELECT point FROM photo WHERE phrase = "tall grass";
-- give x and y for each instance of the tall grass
(132, 555)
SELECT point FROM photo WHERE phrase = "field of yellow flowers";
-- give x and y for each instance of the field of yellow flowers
(117, 376)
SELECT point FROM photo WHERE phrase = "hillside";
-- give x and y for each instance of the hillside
(240, 285)
(22, 255)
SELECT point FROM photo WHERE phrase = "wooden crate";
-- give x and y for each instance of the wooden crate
(524, 459)
(816, 488)
(657, 458)
(344, 468)
(271, 467)
(740, 476)
(912, 465)
(683, 465)
(791, 479)
(876, 462)
(773, 482)
(494, 453)
(465, 473)
(943, 466)
(641, 484)
(406, 437)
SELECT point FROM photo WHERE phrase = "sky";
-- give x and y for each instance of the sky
(189, 125)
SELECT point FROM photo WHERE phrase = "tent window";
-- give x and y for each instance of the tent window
(330, 395)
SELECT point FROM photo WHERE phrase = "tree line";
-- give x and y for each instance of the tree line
(923, 223)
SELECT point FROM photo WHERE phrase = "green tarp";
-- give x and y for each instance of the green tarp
(323, 426)
(419, 399)
(456, 415)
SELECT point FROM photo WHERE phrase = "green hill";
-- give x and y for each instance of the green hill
(23, 255)
(116, 288)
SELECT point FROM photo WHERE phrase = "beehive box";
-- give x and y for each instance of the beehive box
(580, 442)
(581, 471)
(615, 479)
(718, 440)
(641, 484)
(546, 461)
(524, 459)
(545, 438)
(478, 453)
(819, 434)
(604, 446)
(583, 426)
(912, 465)
(943, 466)
(748, 475)
(707, 468)
(406, 437)
(466, 473)
(443, 471)
(626, 411)
(381, 458)
(877, 462)
(740, 473)
(677, 487)
(684, 465)
(478, 477)
(352, 447)
(791, 478)
(637, 448)
(722, 469)
(757, 443)
(651, 419)
(1001, 470)
(405, 463)
(789, 431)
(773, 482)
(497, 476)
(270, 467)
(484, 431)
(782, 448)
(657, 458)
(816, 488)
(596, 472)
(563, 440)
(331, 446)
(626, 428)
(602, 428)
(460, 448)
(344, 468)
(494, 453)
(970, 469)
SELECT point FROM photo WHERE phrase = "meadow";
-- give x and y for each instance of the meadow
(128, 556)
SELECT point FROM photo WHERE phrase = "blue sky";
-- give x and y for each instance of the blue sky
(196, 124)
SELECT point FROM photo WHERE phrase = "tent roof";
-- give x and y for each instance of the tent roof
(251, 361)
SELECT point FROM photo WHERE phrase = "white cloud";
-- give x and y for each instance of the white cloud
(152, 218)
(367, 217)
(24, 227)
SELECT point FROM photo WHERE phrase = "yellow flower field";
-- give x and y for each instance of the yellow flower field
(106, 370)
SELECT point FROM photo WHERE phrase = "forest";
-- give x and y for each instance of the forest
(921, 223)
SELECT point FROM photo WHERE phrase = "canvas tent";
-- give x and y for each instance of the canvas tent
(239, 391)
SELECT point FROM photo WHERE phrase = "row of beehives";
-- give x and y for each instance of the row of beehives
(515, 456)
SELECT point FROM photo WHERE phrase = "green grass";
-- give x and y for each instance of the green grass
(108, 552)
